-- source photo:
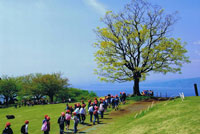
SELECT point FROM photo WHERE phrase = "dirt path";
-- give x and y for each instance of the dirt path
(109, 117)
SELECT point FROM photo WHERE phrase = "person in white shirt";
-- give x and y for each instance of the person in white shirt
(83, 114)
(91, 110)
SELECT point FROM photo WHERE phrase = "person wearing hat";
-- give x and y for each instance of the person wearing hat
(7, 129)
(67, 119)
(76, 121)
(61, 122)
(24, 128)
(77, 111)
(101, 108)
(89, 102)
(116, 102)
(96, 115)
(120, 96)
(48, 125)
(124, 97)
(45, 119)
(83, 113)
(91, 110)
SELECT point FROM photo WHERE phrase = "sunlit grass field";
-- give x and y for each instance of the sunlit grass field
(168, 117)
(35, 115)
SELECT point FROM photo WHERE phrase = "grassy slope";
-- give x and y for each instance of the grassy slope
(173, 117)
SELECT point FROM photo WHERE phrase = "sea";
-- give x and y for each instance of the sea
(115, 89)
(158, 91)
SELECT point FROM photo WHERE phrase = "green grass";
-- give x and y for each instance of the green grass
(167, 117)
(170, 117)
(34, 114)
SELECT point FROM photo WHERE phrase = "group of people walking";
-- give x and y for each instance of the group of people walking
(77, 113)
(8, 130)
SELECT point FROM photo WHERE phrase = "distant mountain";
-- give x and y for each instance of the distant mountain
(178, 83)
(183, 83)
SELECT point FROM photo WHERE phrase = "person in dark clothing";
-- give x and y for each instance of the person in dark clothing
(116, 101)
(61, 122)
(113, 102)
(24, 128)
(71, 109)
(48, 126)
(7, 129)
(76, 121)
(124, 97)
(67, 107)
(89, 102)
(120, 97)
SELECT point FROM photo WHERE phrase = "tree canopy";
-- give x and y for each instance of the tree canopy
(8, 89)
(137, 41)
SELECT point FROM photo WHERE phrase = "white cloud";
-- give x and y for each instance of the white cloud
(99, 7)
(196, 42)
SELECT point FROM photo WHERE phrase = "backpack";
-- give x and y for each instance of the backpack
(44, 126)
(68, 117)
(23, 129)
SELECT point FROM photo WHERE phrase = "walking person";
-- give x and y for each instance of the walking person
(96, 115)
(77, 111)
(116, 102)
(89, 102)
(7, 129)
(76, 121)
(67, 119)
(83, 114)
(24, 128)
(45, 119)
(61, 122)
(91, 110)
(47, 122)
(101, 109)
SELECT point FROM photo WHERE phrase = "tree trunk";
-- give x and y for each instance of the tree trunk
(51, 98)
(136, 89)
(6, 99)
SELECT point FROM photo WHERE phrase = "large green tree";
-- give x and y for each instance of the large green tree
(137, 41)
(8, 89)
(51, 84)
(30, 87)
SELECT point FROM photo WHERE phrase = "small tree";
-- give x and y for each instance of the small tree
(136, 42)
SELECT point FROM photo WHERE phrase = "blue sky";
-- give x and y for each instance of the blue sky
(45, 36)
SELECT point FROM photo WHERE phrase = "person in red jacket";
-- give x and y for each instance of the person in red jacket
(7, 129)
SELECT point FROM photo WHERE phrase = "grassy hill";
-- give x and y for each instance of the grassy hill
(170, 117)
(163, 118)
